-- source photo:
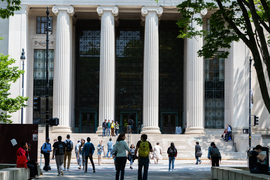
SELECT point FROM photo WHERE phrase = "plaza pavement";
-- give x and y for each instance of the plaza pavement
(184, 169)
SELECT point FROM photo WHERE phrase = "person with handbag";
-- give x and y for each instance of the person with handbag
(198, 153)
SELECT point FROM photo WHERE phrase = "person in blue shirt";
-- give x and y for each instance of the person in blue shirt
(46, 149)
(88, 151)
(229, 133)
(110, 148)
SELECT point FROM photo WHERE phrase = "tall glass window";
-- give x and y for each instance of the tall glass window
(40, 83)
(214, 92)
(171, 76)
(42, 24)
(87, 75)
(129, 73)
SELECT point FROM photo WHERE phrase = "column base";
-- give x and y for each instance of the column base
(150, 130)
(99, 130)
(61, 129)
(195, 130)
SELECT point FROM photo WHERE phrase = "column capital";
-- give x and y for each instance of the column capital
(69, 9)
(24, 9)
(157, 10)
(113, 9)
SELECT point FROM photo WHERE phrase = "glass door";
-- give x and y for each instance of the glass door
(88, 122)
(169, 122)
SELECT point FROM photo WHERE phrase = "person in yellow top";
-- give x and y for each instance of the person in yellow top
(112, 128)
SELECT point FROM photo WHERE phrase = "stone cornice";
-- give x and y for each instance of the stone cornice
(113, 9)
(69, 9)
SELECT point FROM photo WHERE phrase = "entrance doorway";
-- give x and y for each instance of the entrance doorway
(169, 122)
(88, 121)
(125, 116)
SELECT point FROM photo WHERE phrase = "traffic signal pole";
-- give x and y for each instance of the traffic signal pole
(249, 131)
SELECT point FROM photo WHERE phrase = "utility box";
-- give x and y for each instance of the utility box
(11, 137)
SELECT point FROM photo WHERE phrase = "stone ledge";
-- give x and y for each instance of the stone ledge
(14, 173)
(229, 173)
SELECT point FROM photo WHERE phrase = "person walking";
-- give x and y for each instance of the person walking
(172, 153)
(46, 149)
(121, 157)
(112, 128)
(214, 154)
(116, 128)
(68, 150)
(144, 147)
(157, 153)
(88, 151)
(108, 131)
(82, 158)
(131, 155)
(198, 153)
(110, 148)
(59, 152)
(77, 146)
(100, 150)
(104, 127)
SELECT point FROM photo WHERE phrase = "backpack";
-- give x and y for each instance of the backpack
(144, 149)
(171, 152)
(214, 152)
(41, 148)
(130, 122)
(69, 146)
(230, 127)
(61, 150)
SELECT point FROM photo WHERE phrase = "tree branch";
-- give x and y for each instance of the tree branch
(266, 9)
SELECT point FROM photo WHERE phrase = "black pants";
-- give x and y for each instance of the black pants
(120, 166)
(32, 170)
(33, 162)
(86, 162)
(47, 161)
(215, 161)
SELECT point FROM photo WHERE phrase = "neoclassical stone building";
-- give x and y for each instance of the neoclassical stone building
(122, 59)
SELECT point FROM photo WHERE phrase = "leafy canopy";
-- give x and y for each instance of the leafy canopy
(12, 6)
(231, 21)
(9, 74)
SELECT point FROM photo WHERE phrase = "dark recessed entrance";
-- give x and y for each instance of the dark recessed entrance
(124, 121)
(88, 122)
(169, 122)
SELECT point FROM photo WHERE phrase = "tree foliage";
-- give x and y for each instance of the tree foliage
(12, 6)
(247, 20)
(9, 74)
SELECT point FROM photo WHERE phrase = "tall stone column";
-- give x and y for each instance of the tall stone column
(107, 64)
(151, 70)
(195, 84)
(63, 68)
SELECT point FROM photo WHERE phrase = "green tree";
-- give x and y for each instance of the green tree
(12, 6)
(9, 74)
(232, 21)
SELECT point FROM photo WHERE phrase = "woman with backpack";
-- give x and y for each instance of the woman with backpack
(172, 153)
(120, 148)
(214, 154)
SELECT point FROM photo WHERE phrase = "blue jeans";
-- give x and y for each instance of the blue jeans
(255, 170)
(171, 163)
(198, 160)
(103, 134)
(143, 162)
(116, 131)
(109, 151)
(108, 131)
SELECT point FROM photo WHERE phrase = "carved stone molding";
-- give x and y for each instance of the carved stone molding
(146, 10)
(42, 44)
(114, 10)
(69, 9)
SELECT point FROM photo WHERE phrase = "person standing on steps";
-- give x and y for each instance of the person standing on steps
(144, 147)
(198, 153)
(69, 148)
(46, 149)
(116, 128)
(88, 151)
(172, 153)
(214, 154)
(108, 132)
(112, 128)
(59, 151)
(104, 128)
(110, 148)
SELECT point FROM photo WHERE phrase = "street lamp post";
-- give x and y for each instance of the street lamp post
(48, 29)
(249, 130)
(22, 59)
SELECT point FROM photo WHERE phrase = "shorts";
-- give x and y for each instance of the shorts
(99, 153)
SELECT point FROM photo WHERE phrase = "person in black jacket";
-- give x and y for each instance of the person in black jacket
(172, 153)
(198, 153)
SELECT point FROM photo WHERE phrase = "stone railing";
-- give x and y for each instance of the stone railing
(234, 173)
(10, 172)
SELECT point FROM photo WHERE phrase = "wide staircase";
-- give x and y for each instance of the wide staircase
(184, 143)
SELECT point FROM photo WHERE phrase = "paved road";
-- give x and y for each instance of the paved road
(156, 172)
